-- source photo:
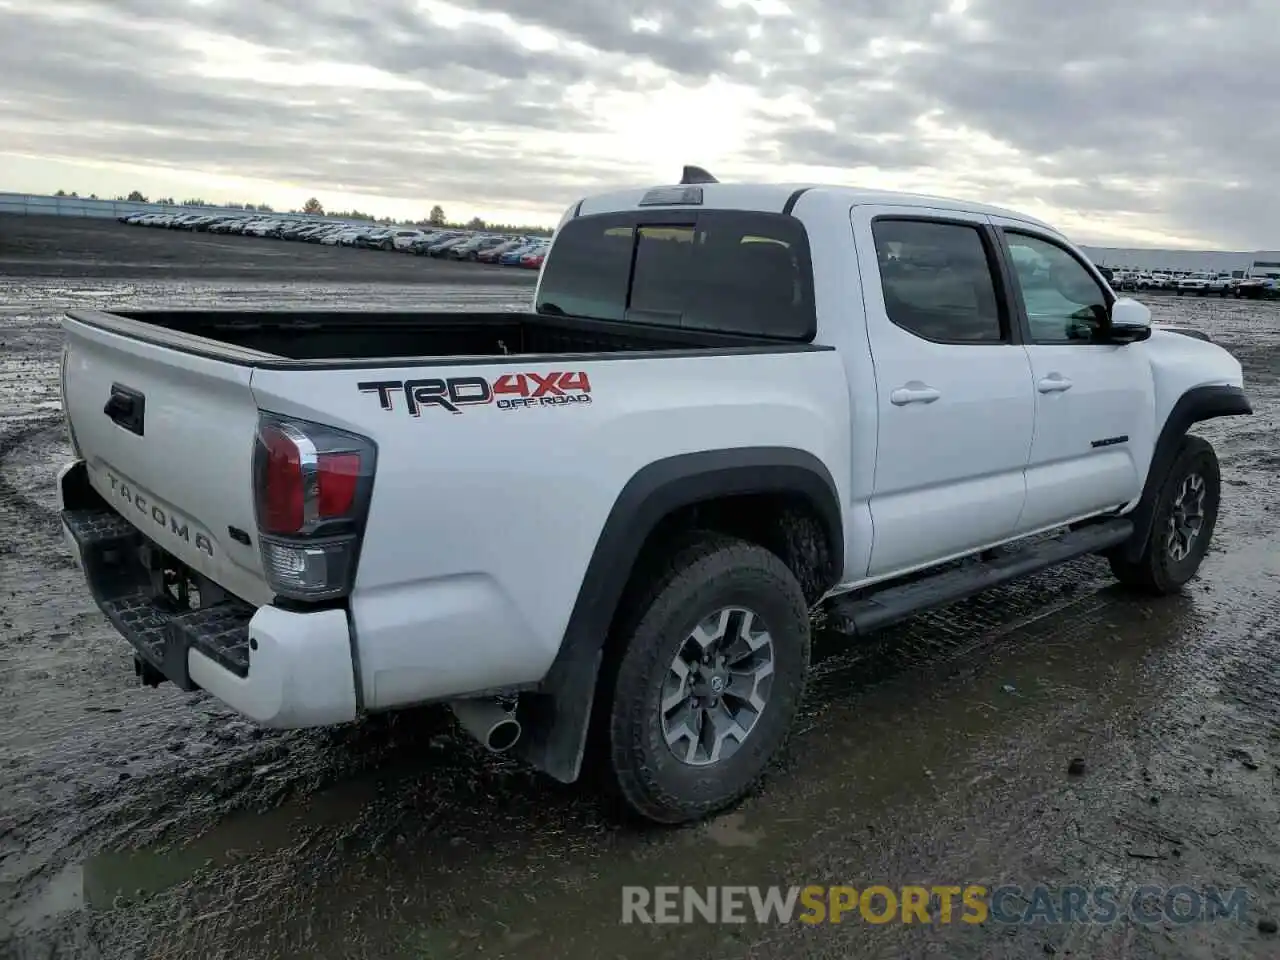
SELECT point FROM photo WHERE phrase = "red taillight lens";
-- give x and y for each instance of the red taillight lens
(313, 486)
(291, 498)
(283, 495)
(338, 474)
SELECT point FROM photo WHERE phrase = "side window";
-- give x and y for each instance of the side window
(937, 280)
(1064, 303)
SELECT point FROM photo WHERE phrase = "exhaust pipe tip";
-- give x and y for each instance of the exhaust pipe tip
(491, 723)
(504, 735)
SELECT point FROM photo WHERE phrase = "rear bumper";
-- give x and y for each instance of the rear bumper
(277, 667)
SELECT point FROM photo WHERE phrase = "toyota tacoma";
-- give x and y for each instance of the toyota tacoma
(613, 514)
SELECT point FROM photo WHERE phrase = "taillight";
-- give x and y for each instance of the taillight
(283, 492)
(313, 485)
(339, 476)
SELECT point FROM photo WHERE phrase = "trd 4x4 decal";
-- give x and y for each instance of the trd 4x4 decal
(511, 391)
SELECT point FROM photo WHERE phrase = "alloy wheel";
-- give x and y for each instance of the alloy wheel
(1186, 519)
(717, 686)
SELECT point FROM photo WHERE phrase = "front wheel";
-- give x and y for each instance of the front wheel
(714, 647)
(1185, 515)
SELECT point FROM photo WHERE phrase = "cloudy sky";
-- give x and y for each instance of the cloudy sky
(1146, 122)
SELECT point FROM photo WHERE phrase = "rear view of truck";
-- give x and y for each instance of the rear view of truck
(193, 564)
(312, 515)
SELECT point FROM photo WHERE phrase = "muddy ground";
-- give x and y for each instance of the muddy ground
(150, 823)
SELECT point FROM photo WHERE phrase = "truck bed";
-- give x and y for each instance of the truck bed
(337, 335)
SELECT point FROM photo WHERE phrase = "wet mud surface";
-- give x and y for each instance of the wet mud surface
(150, 823)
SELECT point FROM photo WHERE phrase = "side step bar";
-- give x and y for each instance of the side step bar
(879, 608)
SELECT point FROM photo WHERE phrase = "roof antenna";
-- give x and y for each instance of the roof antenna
(694, 174)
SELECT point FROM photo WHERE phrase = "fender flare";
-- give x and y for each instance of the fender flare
(1196, 405)
(559, 712)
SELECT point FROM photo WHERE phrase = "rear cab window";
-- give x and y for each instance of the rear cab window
(725, 271)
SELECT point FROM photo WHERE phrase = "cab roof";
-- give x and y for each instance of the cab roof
(776, 197)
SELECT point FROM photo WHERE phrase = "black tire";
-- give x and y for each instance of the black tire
(702, 576)
(1160, 570)
(1180, 291)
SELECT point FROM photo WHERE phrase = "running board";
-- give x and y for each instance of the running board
(871, 611)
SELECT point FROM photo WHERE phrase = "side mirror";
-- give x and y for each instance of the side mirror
(1130, 322)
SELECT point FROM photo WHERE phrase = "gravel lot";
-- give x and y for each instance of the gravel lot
(150, 823)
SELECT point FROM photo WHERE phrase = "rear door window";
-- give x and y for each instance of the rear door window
(938, 280)
(725, 271)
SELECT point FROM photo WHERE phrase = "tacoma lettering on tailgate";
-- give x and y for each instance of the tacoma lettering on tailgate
(166, 521)
(510, 391)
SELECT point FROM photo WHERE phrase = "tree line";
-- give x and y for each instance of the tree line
(435, 218)
(313, 207)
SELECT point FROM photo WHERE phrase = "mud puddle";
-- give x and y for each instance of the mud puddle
(120, 878)
(151, 823)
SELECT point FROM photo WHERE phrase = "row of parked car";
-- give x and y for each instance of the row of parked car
(1201, 284)
(440, 243)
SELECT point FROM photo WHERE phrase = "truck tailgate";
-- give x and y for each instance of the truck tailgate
(168, 437)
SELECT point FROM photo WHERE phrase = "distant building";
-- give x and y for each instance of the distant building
(1269, 267)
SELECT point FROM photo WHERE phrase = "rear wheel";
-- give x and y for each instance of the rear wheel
(1185, 516)
(713, 647)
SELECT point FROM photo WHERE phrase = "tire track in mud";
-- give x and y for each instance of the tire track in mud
(31, 528)
(10, 444)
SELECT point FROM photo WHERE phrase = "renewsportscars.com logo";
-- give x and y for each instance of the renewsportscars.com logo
(943, 904)
(510, 391)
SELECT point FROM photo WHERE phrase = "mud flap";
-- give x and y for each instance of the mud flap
(556, 719)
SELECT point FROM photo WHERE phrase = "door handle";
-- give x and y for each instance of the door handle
(127, 408)
(914, 392)
(1054, 383)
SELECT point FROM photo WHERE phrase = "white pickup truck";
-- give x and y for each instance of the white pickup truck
(729, 405)
(1202, 284)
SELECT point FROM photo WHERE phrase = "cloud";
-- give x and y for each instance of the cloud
(1145, 122)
